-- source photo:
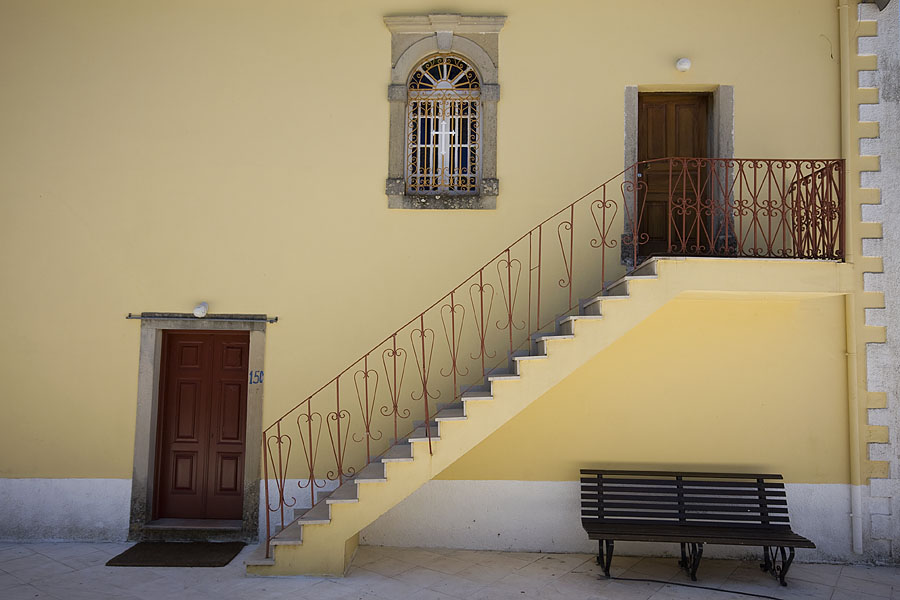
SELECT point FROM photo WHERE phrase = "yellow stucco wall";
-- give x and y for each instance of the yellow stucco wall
(753, 384)
(156, 154)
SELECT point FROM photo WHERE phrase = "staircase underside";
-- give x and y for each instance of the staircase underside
(322, 540)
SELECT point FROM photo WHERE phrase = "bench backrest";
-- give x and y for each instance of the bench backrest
(667, 497)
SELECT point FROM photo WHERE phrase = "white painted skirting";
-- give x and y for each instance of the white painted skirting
(545, 516)
(495, 515)
(64, 509)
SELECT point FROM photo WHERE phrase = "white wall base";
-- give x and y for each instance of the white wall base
(64, 509)
(490, 515)
(545, 516)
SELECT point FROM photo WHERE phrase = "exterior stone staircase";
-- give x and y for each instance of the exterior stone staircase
(322, 540)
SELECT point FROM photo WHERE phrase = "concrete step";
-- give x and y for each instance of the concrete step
(318, 514)
(400, 452)
(372, 472)
(501, 376)
(421, 435)
(648, 267)
(522, 355)
(567, 324)
(347, 492)
(258, 556)
(452, 413)
(620, 286)
(473, 395)
(593, 306)
(478, 387)
(420, 424)
(540, 340)
(292, 535)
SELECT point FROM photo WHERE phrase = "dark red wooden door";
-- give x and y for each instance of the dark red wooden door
(669, 125)
(202, 418)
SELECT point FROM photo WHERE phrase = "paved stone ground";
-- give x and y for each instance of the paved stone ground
(75, 571)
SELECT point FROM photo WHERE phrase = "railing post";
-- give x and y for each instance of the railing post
(266, 491)
(669, 216)
(842, 204)
(509, 299)
(280, 474)
(312, 456)
(537, 324)
(366, 418)
(698, 189)
(530, 272)
(338, 455)
(453, 350)
(482, 325)
(728, 215)
(425, 382)
(395, 392)
(571, 252)
(636, 209)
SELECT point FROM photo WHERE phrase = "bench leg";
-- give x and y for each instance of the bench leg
(772, 555)
(604, 560)
(691, 553)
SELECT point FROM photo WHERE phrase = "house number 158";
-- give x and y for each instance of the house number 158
(256, 377)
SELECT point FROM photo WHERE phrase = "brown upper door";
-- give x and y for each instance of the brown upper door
(669, 125)
(202, 419)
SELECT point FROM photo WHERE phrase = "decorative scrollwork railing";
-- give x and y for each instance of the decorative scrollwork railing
(675, 206)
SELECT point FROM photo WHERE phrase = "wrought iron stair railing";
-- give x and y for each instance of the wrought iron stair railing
(712, 207)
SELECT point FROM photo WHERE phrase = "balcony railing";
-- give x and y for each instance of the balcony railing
(677, 206)
(758, 208)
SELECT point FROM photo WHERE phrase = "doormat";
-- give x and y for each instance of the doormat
(177, 554)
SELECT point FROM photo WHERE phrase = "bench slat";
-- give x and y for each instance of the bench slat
(676, 513)
(733, 536)
(703, 475)
(676, 516)
(685, 483)
(673, 491)
(691, 500)
(687, 506)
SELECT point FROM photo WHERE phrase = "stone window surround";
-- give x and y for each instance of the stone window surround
(144, 470)
(413, 38)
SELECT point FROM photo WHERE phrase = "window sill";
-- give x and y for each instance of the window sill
(486, 200)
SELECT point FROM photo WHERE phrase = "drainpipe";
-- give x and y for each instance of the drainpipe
(856, 512)
(848, 112)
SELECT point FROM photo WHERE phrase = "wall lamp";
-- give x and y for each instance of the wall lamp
(683, 64)
(201, 309)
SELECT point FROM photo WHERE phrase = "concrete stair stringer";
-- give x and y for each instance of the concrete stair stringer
(327, 548)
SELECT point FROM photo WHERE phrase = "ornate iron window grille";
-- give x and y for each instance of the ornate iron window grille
(443, 109)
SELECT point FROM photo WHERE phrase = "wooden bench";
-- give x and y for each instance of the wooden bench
(691, 509)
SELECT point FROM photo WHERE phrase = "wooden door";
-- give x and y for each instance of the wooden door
(202, 419)
(669, 125)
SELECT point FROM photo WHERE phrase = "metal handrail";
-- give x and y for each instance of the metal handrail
(776, 208)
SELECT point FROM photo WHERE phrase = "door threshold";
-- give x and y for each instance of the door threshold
(194, 524)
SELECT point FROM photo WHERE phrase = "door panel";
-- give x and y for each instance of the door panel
(202, 420)
(229, 417)
(187, 404)
(669, 125)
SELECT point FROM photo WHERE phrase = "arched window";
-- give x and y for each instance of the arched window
(444, 89)
(443, 112)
